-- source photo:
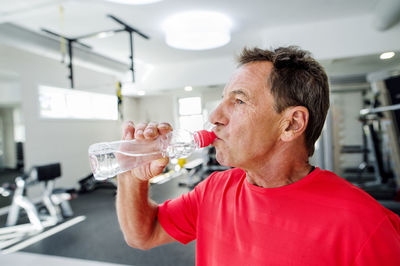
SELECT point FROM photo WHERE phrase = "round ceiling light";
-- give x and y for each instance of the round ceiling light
(197, 30)
(134, 2)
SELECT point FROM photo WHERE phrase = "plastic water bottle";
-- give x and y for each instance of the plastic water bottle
(108, 159)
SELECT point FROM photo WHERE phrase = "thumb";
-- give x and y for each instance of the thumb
(157, 166)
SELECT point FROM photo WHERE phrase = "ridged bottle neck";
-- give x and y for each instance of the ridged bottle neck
(203, 138)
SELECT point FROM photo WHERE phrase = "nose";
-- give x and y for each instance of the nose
(219, 117)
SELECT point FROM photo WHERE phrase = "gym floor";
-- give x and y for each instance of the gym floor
(97, 240)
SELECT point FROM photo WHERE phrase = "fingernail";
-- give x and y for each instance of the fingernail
(139, 132)
(149, 130)
(128, 135)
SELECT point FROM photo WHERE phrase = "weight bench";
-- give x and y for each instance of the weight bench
(54, 200)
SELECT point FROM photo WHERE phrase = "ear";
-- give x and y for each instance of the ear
(294, 123)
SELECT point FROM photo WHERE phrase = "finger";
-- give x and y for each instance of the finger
(140, 130)
(128, 130)
(151, 131)
(164, 128)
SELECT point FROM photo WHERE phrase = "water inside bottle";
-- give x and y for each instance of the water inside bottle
(104, 165)
(106, 162)
(180, 150)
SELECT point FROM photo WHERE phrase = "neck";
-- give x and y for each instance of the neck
(282, 169)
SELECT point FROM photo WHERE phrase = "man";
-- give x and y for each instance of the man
(273, 208)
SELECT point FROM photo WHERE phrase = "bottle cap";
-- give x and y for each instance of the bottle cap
(203, 138)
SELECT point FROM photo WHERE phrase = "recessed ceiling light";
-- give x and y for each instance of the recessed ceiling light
(188, 88)
(105, 34)
(131, 89)
(134, 2)
(387, 55)
(197, 30)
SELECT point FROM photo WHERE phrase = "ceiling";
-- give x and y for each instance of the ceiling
(251, 19)
(81, 17)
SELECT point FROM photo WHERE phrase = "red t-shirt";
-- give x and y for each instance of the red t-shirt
(319, 220)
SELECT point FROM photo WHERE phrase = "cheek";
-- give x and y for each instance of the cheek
(221, 157)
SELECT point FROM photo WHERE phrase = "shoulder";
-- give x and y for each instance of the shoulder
(350, 200)
(339, 187)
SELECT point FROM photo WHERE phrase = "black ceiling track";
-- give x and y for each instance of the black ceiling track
(71, 41)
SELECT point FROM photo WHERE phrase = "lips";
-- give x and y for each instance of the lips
(216, 134)
(217, 137)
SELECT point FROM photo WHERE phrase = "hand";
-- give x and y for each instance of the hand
(145, 131)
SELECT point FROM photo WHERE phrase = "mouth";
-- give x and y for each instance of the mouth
(215, 133)
(217, 137)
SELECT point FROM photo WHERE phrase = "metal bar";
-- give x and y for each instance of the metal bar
(328, 140)
(345, 89)
(43, 235)
(83, 45)
(127, 27)
(10, 242)
(71, 71)
(131, 56)
(55, 34)
(74, 40)
(380, 109)
(130, 30)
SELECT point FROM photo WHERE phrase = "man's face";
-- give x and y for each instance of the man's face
(247, 124)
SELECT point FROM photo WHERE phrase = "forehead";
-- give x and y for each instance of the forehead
(251, 76)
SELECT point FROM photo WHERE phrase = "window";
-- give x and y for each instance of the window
(190, 116)
(75, 104)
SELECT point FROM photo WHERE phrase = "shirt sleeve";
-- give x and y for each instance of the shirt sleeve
(383, 246)
(178, 217)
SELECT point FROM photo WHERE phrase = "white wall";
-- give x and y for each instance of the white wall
(9, 148)
(163, 108)
(10, 92)
(158, 109)
(130, 109)
(49, 140)
(10, 98)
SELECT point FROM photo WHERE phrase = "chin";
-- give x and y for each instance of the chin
(223, 160)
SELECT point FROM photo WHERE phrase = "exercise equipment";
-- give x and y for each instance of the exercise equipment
(52, 209)
(381, 122)
(200, 169)
(89, 184)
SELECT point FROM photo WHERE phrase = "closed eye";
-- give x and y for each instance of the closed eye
(239, 101)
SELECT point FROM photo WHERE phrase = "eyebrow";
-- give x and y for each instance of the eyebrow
(239, 92)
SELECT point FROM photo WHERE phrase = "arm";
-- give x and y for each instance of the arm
(137, 214)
